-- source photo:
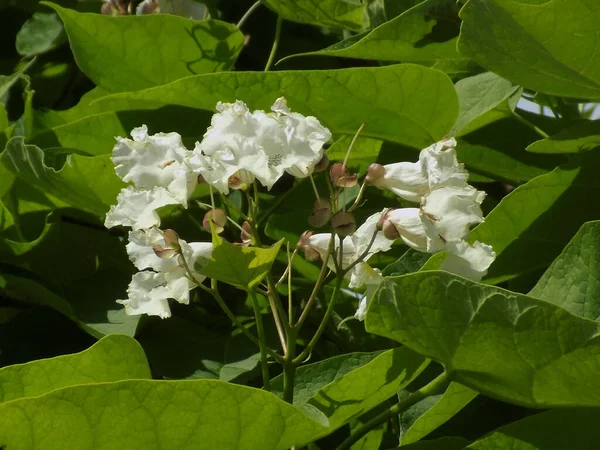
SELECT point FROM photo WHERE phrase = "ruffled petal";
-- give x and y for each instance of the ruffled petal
(468, 260)
(147, 294)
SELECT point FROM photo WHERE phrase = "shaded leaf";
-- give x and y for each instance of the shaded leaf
(39, 34)
(329, 13)
(579, 138)
(426, 32)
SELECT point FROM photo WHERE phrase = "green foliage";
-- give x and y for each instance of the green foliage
(243, 267)
(142, 414)
(105, 46)
(522, 42)
(39, 34)
(333, 13)
(507, 345)
(572, 280)
(113, 358)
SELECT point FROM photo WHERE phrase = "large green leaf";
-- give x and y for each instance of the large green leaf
(366, 387)
(444, 443)
(243, 267)
(113, 358)
(408, 37)
(480, 94)
(311, 378)
(87, 183)
(455, 398)
(572, 281)
(532, 224)
(578, 138)
(572, 428)
(509, 346)
(329, 13)
(405, 103)
(146, 414)
(136, 52)
(549, 46)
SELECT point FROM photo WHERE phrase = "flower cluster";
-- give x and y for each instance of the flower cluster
(239, 147)
(448, 207)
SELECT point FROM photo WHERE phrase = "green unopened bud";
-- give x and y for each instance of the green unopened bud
(322, 165)
(217, 217)
(321, 213)
(343, 223)
(374, 172)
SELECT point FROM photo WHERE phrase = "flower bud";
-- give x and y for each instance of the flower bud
(217, 217)
(390, 231)
(171, 248)
(374, 172)
(236, 183)
(322, 165)
(304, 237)
(321, 213)
(341, 177)
(343, 223)
(147, 7)
(108, 9)
(383, 218)
(246, 235)
(310, 254)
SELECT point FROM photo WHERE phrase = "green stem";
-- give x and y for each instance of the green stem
(433, 388)
(289, 368)
(324, 322)
(247, 14)
(528, 124)
(262, 342)
(275, 43)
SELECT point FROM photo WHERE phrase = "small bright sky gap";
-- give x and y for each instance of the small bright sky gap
(534, 107)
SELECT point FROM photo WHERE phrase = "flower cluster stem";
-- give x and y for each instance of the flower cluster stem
(262, 342)
(275, 43)
(434, 387)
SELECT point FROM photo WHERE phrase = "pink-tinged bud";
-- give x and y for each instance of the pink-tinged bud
(322, 165)
(383, 218)
(374, 172)
(390, 231)
(236, 183)
(310, 254)
(321, 213)
(246, 235)
(171, 248)
(304, 237)
(149, 7)
(108, 9)
(341, 177)
(343, 223)
(217, 217)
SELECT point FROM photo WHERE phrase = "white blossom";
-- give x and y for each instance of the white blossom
(448, 213)
(437, 166)
(156, 166)
(372, 279)
(409, 225)
(246, 145)
(468, 260)
(167, 277)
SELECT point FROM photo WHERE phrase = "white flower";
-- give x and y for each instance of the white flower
(409, 225)
(372, 280)
(437, 167)
(448, 213)
(466, 260)
(168, 276)
(157, 169)
(298, 145)
(155, 161)
(246, 145)
(137, 208)
(365, 239)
